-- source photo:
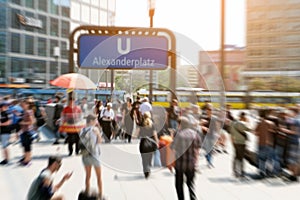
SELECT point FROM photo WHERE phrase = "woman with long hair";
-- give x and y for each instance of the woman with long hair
(147, 130)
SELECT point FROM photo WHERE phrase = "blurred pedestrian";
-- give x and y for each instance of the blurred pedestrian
(92, 158)
(145, 106)
(210, 128)
(58, 108)
(127, 120)
(265, 131)
(173, 113)
(27, 127)
(84, 107)
(147, 130)
(5, 130)
(42, 187)
(71, 117)
(239, 138)
(186, 145)
(107, 117)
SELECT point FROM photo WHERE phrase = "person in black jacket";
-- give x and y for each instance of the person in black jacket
(57, 111)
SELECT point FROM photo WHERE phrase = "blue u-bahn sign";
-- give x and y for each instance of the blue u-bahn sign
(122, 52)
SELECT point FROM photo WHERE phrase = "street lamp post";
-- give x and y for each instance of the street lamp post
(151, 7)
(222, 53)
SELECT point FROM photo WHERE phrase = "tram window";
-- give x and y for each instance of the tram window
(161, 98)
(183, 98)
(234, 99)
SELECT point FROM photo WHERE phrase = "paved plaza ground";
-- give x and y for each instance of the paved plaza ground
(123, 178)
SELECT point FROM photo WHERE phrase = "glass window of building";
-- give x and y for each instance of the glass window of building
(65, 10)
(29, 3)
(15, 23)
(65, 29)
(64, 50)
(44, 22)
(103, 18)
(75, 12)
(29, 44)
(42, 47)
(103, 4)
(85, 14)
(53, 70)
(2, 42)
(111, 5)
(54, 7)
(29, 28)
(64, 68)
(16, 2)
(3, 17)
(74, 25)
(15, 43)
(2, 67)
(54, 27)
(17, 67)
(94, 16)
(53, 43)
(95, 3)
(39, 66)
(43, 5)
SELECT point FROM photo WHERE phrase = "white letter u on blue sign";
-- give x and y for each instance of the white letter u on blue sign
(128, 46)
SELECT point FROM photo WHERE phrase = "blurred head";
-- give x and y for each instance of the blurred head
(145, 99)
(91, 119)
(57, 99)
(25, 104)
(109, 105)
(174, 102)
(4, 105)
(147, 119)
(184, 122)
(54, 162)
(243, 116)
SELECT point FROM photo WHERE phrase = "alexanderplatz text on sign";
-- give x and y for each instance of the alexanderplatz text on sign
(123, 52)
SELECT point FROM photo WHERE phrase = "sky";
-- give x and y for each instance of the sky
(199, 20)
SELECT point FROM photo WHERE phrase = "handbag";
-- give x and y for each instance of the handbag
(148, 145)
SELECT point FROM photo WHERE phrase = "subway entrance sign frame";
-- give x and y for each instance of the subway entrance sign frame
(142, 41)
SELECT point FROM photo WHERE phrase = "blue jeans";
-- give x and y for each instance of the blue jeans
(208, 157)
(266, 154)
(156, 160)
(173, 124)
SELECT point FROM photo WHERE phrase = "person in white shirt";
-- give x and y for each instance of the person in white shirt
(84, 107)
(145, 106)
(107, 121)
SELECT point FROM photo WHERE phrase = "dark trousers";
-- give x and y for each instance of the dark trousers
(73, 138)
(179, 180)
(238, 164)
(107, 130)
(146, 161)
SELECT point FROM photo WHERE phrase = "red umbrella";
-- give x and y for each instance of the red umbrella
(74, 81)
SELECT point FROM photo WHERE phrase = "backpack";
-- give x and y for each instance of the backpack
(35, 192)
(86, 144)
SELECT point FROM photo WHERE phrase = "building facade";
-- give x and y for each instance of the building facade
(34, 36)
(273, 38)
(210, 69)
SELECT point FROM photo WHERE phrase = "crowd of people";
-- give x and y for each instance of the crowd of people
(190, 130)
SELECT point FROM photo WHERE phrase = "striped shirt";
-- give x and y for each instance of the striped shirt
(186, 145)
